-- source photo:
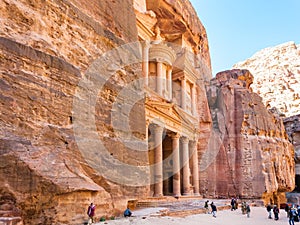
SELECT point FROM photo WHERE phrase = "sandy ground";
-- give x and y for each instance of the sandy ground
(258, 216)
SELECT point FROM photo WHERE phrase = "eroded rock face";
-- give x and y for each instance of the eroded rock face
(292, 126)
(250, 152)
(46, 47)
(276, 76)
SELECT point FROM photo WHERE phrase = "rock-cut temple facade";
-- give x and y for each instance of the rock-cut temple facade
(173, 70)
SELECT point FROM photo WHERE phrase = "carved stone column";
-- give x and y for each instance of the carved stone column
(170, 82)
(183, 93)
(159, 81)
(147, 129)
(176, 165)
(186, 166)
(193, 93)
(158, 158)
(195, 174)
(145, 64)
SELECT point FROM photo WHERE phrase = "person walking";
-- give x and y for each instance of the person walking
(292, 214)
(206, 207)
(269, 209)
(91, 213)
(248, 210)
(213, 209)
(298, 213)
(287, 209)
(276, 212)
(232, 203)
(244, 210)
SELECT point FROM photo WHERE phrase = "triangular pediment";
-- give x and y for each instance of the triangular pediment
(170, 111)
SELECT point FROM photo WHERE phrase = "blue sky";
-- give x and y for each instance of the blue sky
(237, 29)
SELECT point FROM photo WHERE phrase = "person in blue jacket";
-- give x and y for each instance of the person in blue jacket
(127, 212)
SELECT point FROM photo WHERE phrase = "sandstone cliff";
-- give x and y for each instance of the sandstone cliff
(45, 49)
(252, 155)
(292, 126)
(276, 72)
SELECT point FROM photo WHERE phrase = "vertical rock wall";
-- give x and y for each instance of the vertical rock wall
(251, 156)
(45, 49)
(292, 126)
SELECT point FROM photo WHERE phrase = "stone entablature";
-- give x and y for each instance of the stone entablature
(161, 52)
(185, 62)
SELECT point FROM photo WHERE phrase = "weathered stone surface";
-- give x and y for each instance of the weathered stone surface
(250, 153)
(292, 126)
(45, 49)
(276, 76)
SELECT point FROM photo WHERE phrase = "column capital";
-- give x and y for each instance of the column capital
(183, 78)
(174, 135)
(157, 127)
(184, 139)
(148, 122)
(146, 44)
(169, 68)
(159, 60)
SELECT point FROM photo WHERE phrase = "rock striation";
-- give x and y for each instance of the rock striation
(45, 49)
(276, 72)
(253, 156)
(292, 126)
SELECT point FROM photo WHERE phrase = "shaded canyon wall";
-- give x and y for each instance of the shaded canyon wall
(251, 156)
(45, 49)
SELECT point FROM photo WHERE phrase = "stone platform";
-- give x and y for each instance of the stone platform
(180, 207)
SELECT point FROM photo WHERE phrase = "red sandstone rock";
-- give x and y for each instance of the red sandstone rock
(253, 157)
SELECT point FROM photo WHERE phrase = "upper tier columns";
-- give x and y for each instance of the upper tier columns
(193, 97)
(169, 77)
(159, 78)
(145, 64)
(183, 93)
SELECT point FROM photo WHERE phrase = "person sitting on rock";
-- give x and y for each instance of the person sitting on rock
(127, 212)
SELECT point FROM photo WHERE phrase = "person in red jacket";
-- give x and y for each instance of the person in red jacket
(91, 213)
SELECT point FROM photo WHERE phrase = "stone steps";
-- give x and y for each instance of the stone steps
(179, 206)
(179, 211)
(157, 201)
